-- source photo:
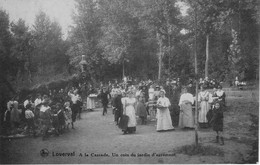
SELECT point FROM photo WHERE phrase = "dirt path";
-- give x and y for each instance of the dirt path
(96, 138)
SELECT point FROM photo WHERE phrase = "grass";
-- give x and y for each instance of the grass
(200, 150)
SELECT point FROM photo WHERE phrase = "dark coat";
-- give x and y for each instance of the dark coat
(217, 119)
(104, 97)
(118, 105)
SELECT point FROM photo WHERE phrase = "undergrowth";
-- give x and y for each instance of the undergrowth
(200, 150)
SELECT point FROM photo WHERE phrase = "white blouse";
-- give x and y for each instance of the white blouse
(164, 101)
(186, 97)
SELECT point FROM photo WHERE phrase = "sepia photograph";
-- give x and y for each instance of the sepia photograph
(129, 81)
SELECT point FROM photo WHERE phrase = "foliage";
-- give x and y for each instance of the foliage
(114, 34)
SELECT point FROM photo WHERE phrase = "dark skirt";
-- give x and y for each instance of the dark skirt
(75, 110)
(217, 125)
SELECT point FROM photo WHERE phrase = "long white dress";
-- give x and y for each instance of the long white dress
(164, 121)
(130, 110)
(91, 101)
(203, 98)
(186, 118)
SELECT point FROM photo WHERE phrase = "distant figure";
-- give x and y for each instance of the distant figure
(104, 99)
(151, 92)
(236, 81)
(15, 115)
(90, 99)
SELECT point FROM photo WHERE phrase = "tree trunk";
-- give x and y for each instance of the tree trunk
(196, 75)
(160, 57)
(169, 64)
(123, 67)
(207, 57)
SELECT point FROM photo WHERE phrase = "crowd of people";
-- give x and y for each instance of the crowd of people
(149, 101)
(46, 114)
(170, 104)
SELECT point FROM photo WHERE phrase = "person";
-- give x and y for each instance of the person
(129, 104)
(90, 99)
(191, 89)
(75, 105)
(7, 118)
(29, 116)
(37, 105)
(141, 109)
(203, 98)
(138, 92)
(45, 118)
(103, 95)
(38, 100)
(217, 122)
(68, 114)
(151, 104)
(28, 101)
(118, 106)
(15, 115)
(220, 94)
(186, 119)
(113, 94)
(60, 118)
(145, 92)
(151, 93)
(164, 121)
(157, 92)
(236, 82)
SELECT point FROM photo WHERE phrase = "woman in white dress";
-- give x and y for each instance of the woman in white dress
(91, 99)
(203, 98)
(164, 121)
(186, 119)
(129, 104)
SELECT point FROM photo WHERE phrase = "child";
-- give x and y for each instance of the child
(29, 116)
(68, 114)
(217, 122)
(61, 118)
(7, 118)
(45, 118)
(141, 110)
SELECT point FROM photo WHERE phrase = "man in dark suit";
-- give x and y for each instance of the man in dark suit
(118, 106)
(104, 94)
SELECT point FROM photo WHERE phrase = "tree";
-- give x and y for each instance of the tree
(22, 49)
(160, 18)
(85, 36)
(48, 47)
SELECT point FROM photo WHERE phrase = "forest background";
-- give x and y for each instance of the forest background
(144, 39)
